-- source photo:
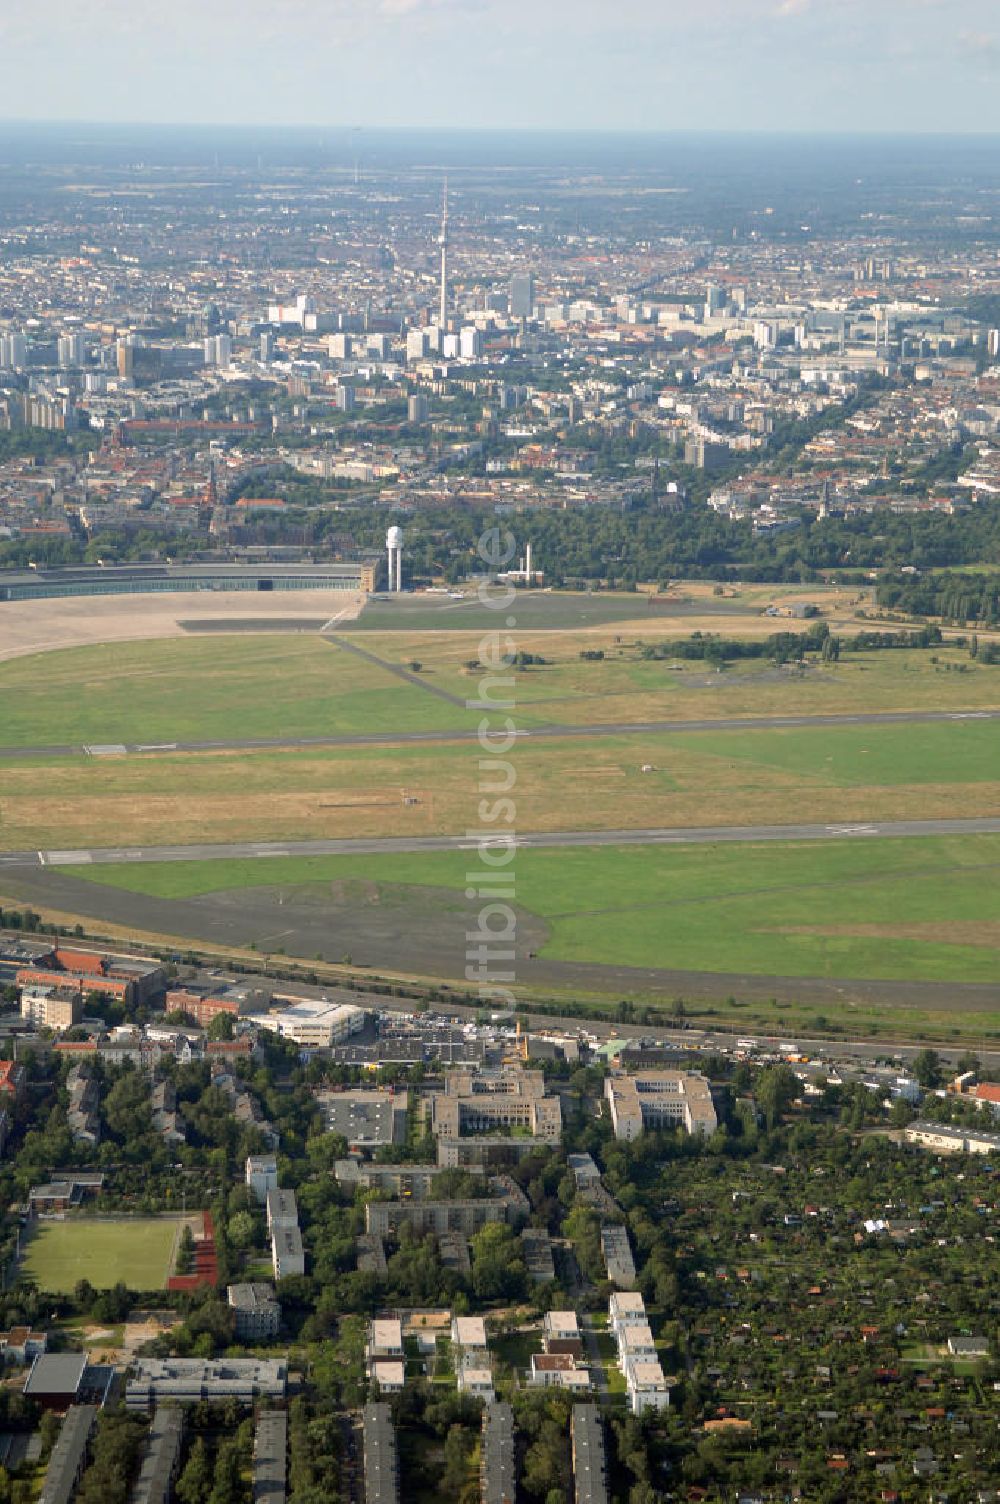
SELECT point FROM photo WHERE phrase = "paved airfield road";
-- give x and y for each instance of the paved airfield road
(554, 730)
(652, 836)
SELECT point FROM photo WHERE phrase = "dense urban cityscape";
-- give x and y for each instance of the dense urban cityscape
(498, 818)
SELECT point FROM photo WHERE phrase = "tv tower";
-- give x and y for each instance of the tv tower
(443, 243)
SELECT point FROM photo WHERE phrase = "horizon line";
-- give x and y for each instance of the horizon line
(651, 133)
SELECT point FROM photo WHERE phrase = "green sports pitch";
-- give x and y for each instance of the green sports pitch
(136, 1250)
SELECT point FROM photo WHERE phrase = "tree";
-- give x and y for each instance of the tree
(221, 1027)
(195, 1482)
(927, 1069)
(776, 1090)
(241, 1230)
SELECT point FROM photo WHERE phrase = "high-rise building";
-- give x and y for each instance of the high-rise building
(126, 359)
(345, 398)
(471, 343)
(13, 352)
(417, 408)
(266, 347)
(417, 344)
(443, 242)
(715, 300)
(70, 350)
(522, 295)
(219, 351)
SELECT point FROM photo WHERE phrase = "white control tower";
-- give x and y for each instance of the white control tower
(394, 550)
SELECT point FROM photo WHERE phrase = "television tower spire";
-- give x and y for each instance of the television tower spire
(443, 243)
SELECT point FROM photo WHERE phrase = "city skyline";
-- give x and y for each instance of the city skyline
(912, 66)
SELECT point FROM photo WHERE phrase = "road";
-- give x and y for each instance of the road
(548, 732)
(537, 840)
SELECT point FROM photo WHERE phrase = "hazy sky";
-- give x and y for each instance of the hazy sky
(930, 65)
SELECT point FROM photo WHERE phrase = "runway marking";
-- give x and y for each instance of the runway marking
(64, 858)
(853, 830)
(108, 749)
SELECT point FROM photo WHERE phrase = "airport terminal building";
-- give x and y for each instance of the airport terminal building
(157, 579)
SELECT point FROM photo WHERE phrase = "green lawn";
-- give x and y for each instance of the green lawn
(910, 909)
(194, 689)
(960, 751)
(137, 1250)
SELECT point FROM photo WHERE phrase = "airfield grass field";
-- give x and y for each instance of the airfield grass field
(138, 1250)
(938, 770)
(907, 910)
(914, 909)
(208, 687)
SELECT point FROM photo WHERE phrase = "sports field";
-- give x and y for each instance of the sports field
(918, 909)
(138, 1250)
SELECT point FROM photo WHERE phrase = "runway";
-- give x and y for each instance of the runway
(543, 732)
(528, 841)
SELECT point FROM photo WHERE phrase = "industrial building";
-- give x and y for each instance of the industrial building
(313, 1023)
(952, 1140)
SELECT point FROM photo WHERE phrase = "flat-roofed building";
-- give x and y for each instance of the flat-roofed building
(367, 1119)
(536, 1246)
(557, 1371)
(477, 1383)
(489, 1151)
(380, 1457)
(660, 1099)
(636, 1345)
(584, 1171)
(282, 1209)
(51, 1007)
(389, 1374)
(946, 1140)
(590, 1466)
(55, 1380)
(314, 1023)
(647, 1388)
(561, 1333)
(287, 1254)
(385, 1218)
(626, 1308)
(385, 1338)
(256, 1311)
(468, 1341)
(399, 1180)
(617, 1253)
(261, 1176)
(189, 1381)
(477, 1101)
